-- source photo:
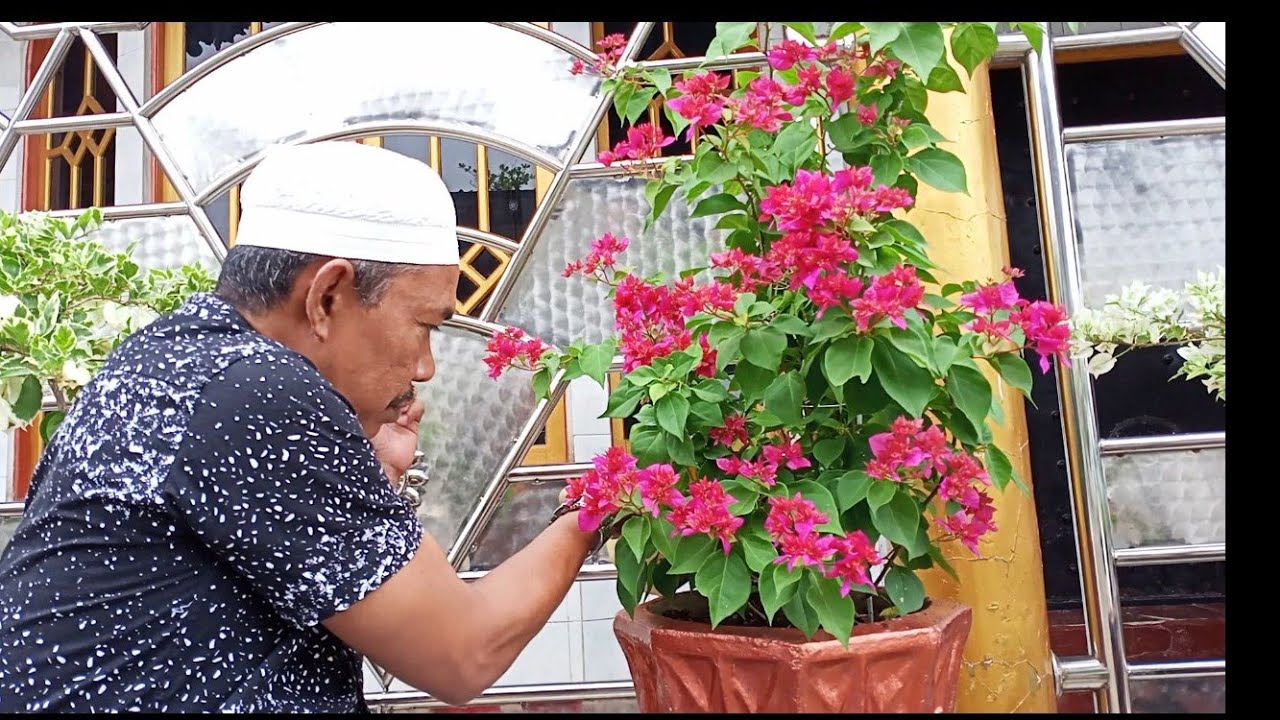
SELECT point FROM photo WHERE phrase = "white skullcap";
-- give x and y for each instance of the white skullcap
(348, 200)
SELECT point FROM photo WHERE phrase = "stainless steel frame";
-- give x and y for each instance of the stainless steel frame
(1103, 671)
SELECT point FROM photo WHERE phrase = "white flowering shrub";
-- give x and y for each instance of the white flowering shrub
(65, 303)
(1141, 316)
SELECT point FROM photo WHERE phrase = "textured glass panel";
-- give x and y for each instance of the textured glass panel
(524, 512)
(162, 242)
(1151, 210)
(1168, 498)
(8, 525)
(470, 424)
(327, 77)
(560, 309)
(1179, 695)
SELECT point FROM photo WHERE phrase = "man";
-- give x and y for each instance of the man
(214, 527)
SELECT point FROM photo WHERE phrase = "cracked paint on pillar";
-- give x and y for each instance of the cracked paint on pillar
(1007, 666)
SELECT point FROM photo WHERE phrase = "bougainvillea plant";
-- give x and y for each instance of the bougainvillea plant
(810, 411)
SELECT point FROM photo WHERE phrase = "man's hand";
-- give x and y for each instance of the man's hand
(396, 442)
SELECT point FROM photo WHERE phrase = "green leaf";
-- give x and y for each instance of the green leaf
(763, 347)
(805, 29)
(542, 382)
(915, 93)
(1014, 370)
(795, 143)
(757, 547)
(623, 401)
(630, 573)
(660, 534)
(791, 325)
(49, 424)
(945, 352)
(820, 496)
(729, 37)
(753, 380)
(898, 519)
(727, 583)
(843, 29)
(659, 203)
(880, 493)
(935, 552)
(847, 358)
(828, 451)
(713, 391)
(914, 137)
(596, 359)
(882, 33)
(910, 385)
(673, 413)
(716, 205)
(638, 103)
(30, 396)
(998, 467)
(798, 612)
(681, 452)
(972, 44)
(943, 79)
(661, 79)
(777, 586)
(852, 488)
(708, 414)
(941, 169)
(834, 324)
(785, 398)
(911, 343)
(905, 589)
(886, 168)
(1035, 34)
(971, 393)
(835, 613)
(920, 45)
(635, 534)
(692, 551)
(648, 444)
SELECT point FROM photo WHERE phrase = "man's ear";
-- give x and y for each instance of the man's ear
(331, 292)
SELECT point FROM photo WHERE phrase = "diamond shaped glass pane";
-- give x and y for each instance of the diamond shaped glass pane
(476, 77)
(560, 309)
(1152, 210)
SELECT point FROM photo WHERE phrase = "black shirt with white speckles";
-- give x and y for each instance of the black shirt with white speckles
(207, 502)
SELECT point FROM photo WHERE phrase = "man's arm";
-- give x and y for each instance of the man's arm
(454, 639)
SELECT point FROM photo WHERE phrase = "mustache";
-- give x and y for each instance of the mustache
(403, 400)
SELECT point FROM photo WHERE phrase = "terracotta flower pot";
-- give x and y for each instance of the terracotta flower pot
(909, 664)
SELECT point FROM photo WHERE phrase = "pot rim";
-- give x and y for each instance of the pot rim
(938, 612)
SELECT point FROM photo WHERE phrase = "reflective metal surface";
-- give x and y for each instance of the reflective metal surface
(1103, 623)
(328, 76)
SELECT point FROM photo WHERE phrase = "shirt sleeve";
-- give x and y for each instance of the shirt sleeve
(278, 480)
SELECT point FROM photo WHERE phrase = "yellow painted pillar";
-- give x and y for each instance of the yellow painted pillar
(1007, 666)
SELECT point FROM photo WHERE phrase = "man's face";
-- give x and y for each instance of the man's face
(374, 353)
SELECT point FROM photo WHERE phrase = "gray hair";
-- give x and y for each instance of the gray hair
(256, 279)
